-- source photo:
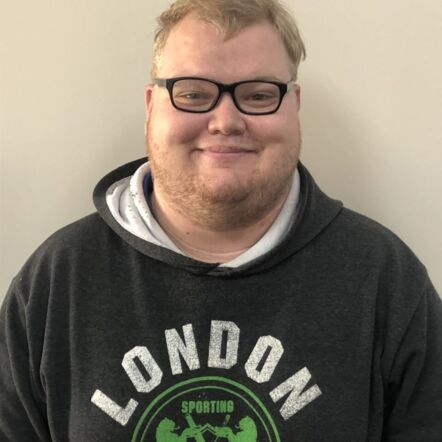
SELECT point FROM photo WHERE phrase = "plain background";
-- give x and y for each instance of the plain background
(72, 83)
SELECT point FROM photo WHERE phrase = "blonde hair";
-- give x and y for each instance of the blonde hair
(230, 17)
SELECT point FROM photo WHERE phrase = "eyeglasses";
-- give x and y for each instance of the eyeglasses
(199, 95)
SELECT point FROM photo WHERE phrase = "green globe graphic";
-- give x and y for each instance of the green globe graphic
(206, 409)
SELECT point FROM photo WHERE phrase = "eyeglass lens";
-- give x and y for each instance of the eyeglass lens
(201, 95)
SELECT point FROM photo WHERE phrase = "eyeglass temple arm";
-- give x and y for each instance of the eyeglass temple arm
(291, 84)
(160, 82)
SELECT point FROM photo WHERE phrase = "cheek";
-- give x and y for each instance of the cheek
(175, 127)
(185, 131)
(277, 130)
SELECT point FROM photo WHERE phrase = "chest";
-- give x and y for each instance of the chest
(213, 362)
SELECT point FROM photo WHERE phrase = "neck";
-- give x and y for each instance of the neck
(197, 241)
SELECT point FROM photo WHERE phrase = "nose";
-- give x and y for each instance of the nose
(226, 118)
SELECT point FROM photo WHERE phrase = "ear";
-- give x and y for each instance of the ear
(148, 91)
(298, 96)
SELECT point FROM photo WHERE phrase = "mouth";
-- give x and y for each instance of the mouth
(227, 149)
(226, 152)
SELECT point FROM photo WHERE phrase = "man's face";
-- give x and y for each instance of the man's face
(222, 168)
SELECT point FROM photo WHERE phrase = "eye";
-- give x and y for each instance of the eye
(193, 95)
(260, 96)
(257, 94)
(259, 99)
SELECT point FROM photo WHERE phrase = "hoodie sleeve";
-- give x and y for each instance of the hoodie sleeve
(22, 407)
(414, 388)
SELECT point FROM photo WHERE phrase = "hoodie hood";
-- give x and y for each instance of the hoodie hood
(315, 212)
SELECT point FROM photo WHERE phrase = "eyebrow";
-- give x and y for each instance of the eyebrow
(266, 78)
(252, 78)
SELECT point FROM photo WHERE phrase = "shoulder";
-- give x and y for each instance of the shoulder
(66, 254)
(386, 265)
(351, 239)
(80, 236)
(359, 232)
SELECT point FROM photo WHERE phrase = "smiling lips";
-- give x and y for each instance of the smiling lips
(221, 151)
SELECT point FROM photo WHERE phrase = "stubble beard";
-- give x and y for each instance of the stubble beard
(238, 204)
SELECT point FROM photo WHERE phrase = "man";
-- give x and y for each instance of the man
(217, 281)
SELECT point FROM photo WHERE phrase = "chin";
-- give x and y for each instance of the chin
(223, 195)
(225, 189)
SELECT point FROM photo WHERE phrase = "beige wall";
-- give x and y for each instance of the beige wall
(72, 76)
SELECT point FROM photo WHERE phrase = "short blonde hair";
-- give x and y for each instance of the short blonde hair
(230, 17)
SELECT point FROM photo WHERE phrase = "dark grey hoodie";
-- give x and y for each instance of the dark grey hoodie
(334, 335)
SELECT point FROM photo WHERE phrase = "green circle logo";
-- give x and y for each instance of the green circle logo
(206, 409)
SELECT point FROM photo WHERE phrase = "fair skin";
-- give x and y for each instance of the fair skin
(222, 177)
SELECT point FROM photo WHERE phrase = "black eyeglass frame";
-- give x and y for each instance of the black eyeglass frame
(168, 83)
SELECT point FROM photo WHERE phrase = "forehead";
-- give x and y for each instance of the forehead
(198, 48)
